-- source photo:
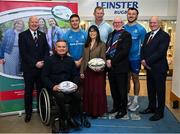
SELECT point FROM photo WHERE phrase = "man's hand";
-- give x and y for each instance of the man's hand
(2, 61)
(78, 63)
(40, 64)
(56, 88)
(108, 63)
(143, 62)
(82, 76)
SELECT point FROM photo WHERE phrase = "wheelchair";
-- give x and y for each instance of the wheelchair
(49, 111)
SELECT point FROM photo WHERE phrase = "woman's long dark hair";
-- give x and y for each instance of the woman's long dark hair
(98, 38)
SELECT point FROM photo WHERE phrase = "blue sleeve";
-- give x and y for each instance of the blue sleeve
(4, 43)
(86, 34)
(110, 29)
(1, 51)
(60, 34)
(65, 36)
(143, 33)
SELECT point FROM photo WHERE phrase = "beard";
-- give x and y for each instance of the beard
(131, 21)
(75, 27)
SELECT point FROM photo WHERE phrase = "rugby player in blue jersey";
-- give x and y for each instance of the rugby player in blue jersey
(75, 38)
(137, 32)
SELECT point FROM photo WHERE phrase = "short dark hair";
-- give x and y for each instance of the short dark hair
(132, 8)
(98, 8)
(61, 40)
(74, 15)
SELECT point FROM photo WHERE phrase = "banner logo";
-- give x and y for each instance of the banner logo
(61, 12)
(119, 7)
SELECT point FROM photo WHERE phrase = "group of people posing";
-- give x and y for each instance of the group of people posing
(123, 49)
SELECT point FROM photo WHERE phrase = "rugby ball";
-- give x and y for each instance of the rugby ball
(62, 12)
(67, 87)
(96, 64)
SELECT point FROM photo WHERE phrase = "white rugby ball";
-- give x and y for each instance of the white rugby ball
(96, 64)
(67, 87)
(62, 12)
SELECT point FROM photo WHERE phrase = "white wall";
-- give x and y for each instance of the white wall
(164, 8)
(176, 71)
(172, 7)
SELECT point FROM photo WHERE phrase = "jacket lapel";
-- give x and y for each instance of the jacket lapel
(30, 37)
(157, 34)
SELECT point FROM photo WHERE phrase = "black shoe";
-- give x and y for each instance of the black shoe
(38, 109)
(27, 118)
(120, 115)
(112, 111)
(94, 117)
(64, 126)
(156, 117)
(147, 111)
(74, 124)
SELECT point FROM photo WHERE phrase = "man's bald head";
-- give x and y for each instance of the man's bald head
(33, 23)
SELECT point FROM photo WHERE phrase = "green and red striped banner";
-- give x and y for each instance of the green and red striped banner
(12, 94)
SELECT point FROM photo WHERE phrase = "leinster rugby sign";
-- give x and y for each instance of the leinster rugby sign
(120, 7)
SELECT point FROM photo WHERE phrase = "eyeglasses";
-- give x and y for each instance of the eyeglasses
(92, 31)
(117, 22)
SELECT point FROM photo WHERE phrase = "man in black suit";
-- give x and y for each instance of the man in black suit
(153, 58)
(118, 48)
(33, 48)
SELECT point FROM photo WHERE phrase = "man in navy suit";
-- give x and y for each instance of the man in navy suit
(153, 58)
(118, 47)
(33, 48)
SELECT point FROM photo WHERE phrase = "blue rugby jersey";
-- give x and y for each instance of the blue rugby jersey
(137, 32)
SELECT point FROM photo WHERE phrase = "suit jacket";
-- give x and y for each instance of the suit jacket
(154, 53)
(30, 51)
(120, 62)
(98, 51)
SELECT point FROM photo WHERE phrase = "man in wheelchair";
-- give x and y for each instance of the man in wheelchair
(59, 68)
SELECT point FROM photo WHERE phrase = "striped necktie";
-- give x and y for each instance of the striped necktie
(35, 37)
(150, 37)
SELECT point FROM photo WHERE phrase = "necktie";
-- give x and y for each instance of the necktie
(35, 37)
(150, 37)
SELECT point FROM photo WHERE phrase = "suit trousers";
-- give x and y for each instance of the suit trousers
(156, 86)
(119, 90)
(74, 101)
(32, 80)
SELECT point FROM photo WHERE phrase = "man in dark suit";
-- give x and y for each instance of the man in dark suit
(33, 48)
(153, 58)
(118, 48)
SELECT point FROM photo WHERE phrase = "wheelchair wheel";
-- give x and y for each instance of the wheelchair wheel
(85, 122)
(44, 107)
